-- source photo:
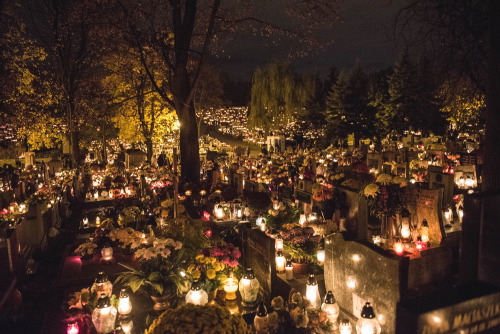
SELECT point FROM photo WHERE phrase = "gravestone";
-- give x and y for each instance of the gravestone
(29, 159)
(408, 140)
(285, 193)
(468, 159)
(464, 171)
(427, 204)
(276, 142)
(251, 186)
(479, 251)
(387, 168)
(134, 159)
(305, 185)
(259, 254)
(237, 182)
(374, 160)
(358, 272)
(357, 214)
(438, 179)
(470, 308)
(403, 169)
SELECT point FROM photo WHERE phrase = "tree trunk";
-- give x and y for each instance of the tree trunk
(149, 149)
(189, 147)
(491, 174)
(104, 155)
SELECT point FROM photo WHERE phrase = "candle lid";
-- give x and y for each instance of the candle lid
(330, 298)
(103, 302)
(311, 280)
(101, 277)
(367, 312)
(261, 310)
(249, 273)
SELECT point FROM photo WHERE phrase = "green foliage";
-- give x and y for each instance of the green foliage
(347, 106)
(413, 96)
(303, 252)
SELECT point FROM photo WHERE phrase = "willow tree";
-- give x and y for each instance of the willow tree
(183, 32)
(278, 97)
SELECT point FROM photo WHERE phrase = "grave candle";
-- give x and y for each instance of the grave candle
(231, 286)
(280, 262)
(73, 328)
(124, 305)
(289, 270)
(345, 327)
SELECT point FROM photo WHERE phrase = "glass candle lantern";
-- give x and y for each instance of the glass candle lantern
(104, 315)
(85, 222)
(127, 325)
(345, 327)
(312, 292)
(107, 253)
(399, 247)
(124, 305)
(73, 328)
(331, 308)
(469, 182)
(289, 270)
(97, 221)
(231, 286)
(424, 231)
(320, 255)
(260, 221)
(261, 320)
(448, 214)
(102, 285)
(405, 228)
(219, 211)
(368, 323)
(280, 262)
(279, 243)
(96, 195)
(196, 296)
(249, 288)
(302, 219)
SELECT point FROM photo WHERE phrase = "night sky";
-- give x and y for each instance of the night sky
(364, 32)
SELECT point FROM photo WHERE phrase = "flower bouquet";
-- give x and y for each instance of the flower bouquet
(86, 250)
(285, 214)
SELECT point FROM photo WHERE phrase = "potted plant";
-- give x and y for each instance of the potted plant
(302, 245)
(286, 213)
(158, 274)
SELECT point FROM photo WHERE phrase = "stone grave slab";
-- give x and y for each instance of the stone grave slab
(427, 204)
(358, 271)
(134, 158)
(438, 179)
(259, 254)
(469, 308)
(357, 214)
